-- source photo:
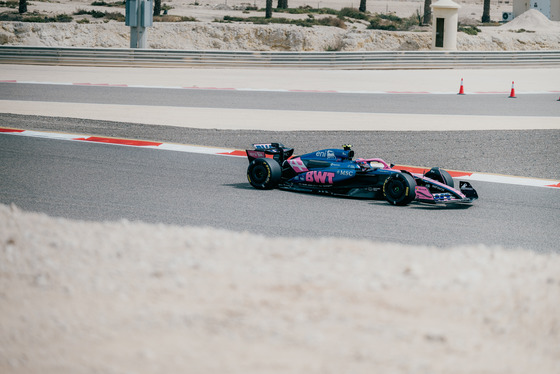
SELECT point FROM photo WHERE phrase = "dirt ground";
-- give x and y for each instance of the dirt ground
(208, 10)
(123, 297)
(529, 31)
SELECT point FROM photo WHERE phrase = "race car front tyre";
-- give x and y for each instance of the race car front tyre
(264, 173)
(442, 176)
(399, 189)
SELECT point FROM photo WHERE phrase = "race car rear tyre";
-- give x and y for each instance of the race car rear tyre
(264, 173)
(399, 189)
(442, 176)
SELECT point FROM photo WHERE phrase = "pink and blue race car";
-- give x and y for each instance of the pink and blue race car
(336, 172)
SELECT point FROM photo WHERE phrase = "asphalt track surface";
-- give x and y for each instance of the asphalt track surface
(105, 182)
(102, 182)
(485, 104)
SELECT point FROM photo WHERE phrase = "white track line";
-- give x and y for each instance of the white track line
(480, 177)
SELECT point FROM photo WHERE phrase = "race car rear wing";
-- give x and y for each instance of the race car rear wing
(277, 151)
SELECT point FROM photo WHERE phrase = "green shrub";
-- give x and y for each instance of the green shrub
(522, 30)
(353, 13)
(170, 18)
(116, 16)
(374, 24)
(9, 4)
(34, 17)
(235, 19)
(377, 24)
(309, 22)
(8, 16)
(391, 22)
(301, 10)
(113, 4)
(63, 18)
(37, 19)
(410, 22)
(306, 10)
(332, 21)
(390, 17)
(96, 14)
(327, 11)
(469, 30)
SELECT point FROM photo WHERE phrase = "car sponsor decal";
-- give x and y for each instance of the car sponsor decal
(327, 153)
(321, 177)
(422, 193)
(262, 146)
(256, 154)
(298, 165)
(346, 173)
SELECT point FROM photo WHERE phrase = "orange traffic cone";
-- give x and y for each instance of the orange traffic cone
(461, 90)
(512, 94)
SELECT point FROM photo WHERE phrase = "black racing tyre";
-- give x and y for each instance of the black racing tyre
(399, 189)
(264, 173)
(441, 175)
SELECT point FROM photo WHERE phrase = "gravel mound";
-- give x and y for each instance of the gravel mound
(532, 20)
(83, 297)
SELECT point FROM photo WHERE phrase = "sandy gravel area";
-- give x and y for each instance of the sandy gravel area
(531, 31)
(80, 297)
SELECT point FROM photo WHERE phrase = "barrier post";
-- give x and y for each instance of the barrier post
(138, 16)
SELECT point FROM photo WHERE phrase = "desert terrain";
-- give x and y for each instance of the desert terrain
(128, 297)
(530, 31)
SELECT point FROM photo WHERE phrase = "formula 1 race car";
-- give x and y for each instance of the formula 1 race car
(334, 172)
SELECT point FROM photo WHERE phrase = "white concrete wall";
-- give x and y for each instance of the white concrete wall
(521, 6)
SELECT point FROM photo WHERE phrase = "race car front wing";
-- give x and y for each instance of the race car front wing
(465, 195)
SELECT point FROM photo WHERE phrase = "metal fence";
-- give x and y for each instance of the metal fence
(70, 56)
